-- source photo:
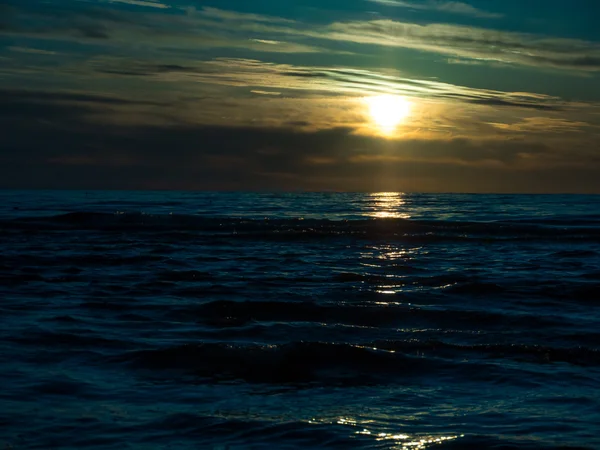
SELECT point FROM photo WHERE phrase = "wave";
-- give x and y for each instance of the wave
(243, 312)
(298, 362)
(379, 362)
(534, 353)
(187, 429)
(298, 228)
(61, 340)
(239, 432)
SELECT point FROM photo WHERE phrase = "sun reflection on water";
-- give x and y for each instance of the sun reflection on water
(402, 441)
(387, 205)
(389, 269)
(421, 443)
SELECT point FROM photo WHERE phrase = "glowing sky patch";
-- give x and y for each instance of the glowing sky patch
(388, 111)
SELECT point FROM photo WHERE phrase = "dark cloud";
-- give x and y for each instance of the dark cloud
(305, 74)
(51, 143)
(124, 72)
(92, 31)
(132, 67)
(501, 102)
(23, 109)
(174, 68)
(583, 61)
(72, 20)
(43, 18)
(45, 97)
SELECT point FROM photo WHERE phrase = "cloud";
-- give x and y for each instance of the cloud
(484, 45)
(258, 93)
(37, 152)
(215, 28)
(42, 97)
(31, 51)
(255, 91)
(543, 125)
(61, 111)
(240, 123)
(308, 80)
(240, 17)
(62, 21)
(442, 6)
(480, 44)
(176, 31)
(148, 3)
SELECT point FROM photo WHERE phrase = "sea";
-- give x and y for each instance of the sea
(205, 320)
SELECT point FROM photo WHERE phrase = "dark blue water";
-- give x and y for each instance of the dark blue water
(227, 320)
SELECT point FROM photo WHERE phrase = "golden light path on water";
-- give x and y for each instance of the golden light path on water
(402, 441)
(385, 205)
(388, 205)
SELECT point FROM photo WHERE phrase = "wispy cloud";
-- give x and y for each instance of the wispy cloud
(148, 3)
(186, 30)
(475, 43)
(484, 45)
(361, 82)
(255, 91)
(442, 6)
(302, 81)
(310, 97)
(236, 16)
(31, 51)
(212, 27)
(543, 125)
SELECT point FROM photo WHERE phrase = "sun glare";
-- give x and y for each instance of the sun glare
(388, 111)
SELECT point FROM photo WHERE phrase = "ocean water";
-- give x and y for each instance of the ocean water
(184, 320)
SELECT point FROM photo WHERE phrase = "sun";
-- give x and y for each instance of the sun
(388, 111)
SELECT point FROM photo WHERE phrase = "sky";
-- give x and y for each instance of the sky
(301, 95)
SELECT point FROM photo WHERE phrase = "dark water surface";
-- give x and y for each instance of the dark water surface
(384, 321)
